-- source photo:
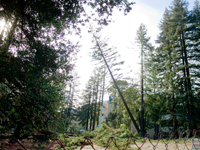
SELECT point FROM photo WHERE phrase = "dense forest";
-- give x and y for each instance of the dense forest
(168, 86)
(38, 84)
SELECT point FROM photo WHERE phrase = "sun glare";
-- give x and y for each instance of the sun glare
(2, 23)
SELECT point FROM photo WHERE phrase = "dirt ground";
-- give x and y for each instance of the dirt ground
(31, 145)
(88, 147)
(146, 146)
(161, 146)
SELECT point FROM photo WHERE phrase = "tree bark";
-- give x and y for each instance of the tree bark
(88, 113)
(188, 83)
(95, 107)
(142, 94)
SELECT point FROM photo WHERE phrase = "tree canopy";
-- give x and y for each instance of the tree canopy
(36, 56)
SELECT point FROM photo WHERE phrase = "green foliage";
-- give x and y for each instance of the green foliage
(89, 134)
(102, 134)
(36, 57)
(171, 78)
(100, 49)
(108, 56)
(99, 136)
(89, 111)
(131, 95)
(111, 119)
(70, 143)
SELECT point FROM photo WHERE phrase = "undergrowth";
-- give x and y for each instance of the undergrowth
(70, 143)
(99, 137)
(121, 136)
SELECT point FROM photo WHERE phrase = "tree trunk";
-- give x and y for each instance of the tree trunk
(99, 107)
(91, 116)
(174, 119)
(88, 113)
(95, 107)
(128, 110)
(69, 103)
(142, 95)
(17, 131)
(188, 84)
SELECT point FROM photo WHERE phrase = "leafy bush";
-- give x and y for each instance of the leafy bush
(70, 143)
(103, 133)
(99, 136)
(89, 134)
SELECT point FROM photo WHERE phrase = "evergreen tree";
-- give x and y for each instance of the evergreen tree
(85, 109)
(131, 94)
(107, 55)
(177, 48)
(153, 66)
(144, 44)
(89, 109)
(183, 48)
(35, 57)
(97, 79)
(194, 56)
(70, 101)
(171, 72)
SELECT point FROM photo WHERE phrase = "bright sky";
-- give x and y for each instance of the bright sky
(122, 33)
